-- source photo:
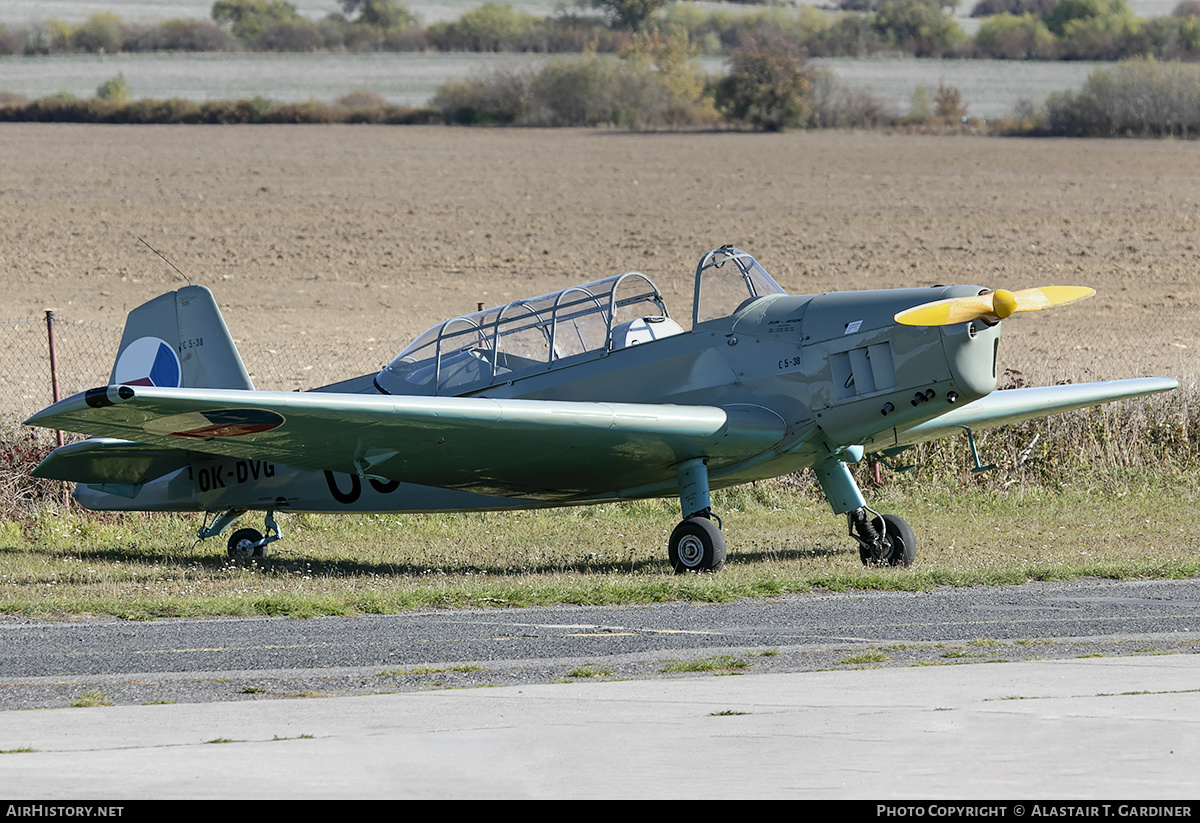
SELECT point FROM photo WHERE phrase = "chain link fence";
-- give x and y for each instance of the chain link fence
(26, 382)
(84, 355)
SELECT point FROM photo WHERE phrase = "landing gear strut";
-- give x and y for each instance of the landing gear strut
(697, 543)
(883, 539)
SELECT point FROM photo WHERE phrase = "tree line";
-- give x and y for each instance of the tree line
(1012, 29)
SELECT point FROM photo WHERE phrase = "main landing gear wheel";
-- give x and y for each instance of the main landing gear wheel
(696, 545)
(246, 543)
(895, 544)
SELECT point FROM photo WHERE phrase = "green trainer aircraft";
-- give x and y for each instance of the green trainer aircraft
(587, 395)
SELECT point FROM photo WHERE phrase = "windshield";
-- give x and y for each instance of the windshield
(726, 279)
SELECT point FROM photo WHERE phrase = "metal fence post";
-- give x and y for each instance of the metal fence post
(53, 363)
(58, 435)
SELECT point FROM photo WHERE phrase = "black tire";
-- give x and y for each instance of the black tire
(696, 545)
(904, 542)
(240, 542)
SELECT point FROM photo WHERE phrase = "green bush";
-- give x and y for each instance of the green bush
(380, 14)
(655, 82)
(817, 32)
(49, 37)
(182, 35)
(581, 91)
(114, 89)
(1016, 8)
(850, 35)
(918, 27)
(227, 112)
(62, 108)
(100, 33)
(1170, 38)
(1008, 37)
(490, 27)
(1104, 14)
(767, 87)
(633, 15)
(1094, 39)
(677, 84)
(310, 112)
(174, 110)
(248, 18)
(292, 36)
(1137, 97)
(498, 98)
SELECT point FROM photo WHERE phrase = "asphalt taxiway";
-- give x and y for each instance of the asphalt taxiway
(994, 709)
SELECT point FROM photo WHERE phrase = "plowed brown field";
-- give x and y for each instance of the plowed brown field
(346, 234)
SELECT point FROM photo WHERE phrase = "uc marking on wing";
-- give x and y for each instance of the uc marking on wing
(355, 491)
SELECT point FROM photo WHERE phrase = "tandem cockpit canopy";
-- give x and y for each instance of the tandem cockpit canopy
(469, 353)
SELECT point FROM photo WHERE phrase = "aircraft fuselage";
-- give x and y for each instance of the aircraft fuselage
(835, 368)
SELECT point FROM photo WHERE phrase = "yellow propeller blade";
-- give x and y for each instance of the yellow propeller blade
(992, 306)
(1050, 296)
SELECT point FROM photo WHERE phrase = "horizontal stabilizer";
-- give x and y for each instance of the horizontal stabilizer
(104, 460)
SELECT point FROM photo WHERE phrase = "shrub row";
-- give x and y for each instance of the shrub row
(106, 33)
(655, 83)
(491, 27)
(1019, 29)
(258, 110)
(1012, 37)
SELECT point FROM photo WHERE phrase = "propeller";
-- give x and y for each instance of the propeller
(991, 306)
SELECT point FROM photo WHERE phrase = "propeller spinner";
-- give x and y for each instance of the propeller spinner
(991, 306)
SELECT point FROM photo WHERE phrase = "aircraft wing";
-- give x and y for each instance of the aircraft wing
(550, 450)
(1001, 408)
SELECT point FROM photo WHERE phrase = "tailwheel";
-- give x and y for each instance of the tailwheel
(884, 540)
(246, 543)
(696, 545)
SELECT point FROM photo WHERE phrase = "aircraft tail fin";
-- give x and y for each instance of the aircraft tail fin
(179, 339)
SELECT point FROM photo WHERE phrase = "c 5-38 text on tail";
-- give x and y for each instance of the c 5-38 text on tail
(585, 395)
